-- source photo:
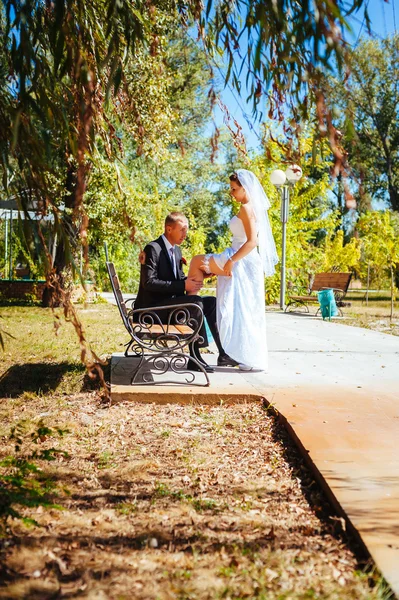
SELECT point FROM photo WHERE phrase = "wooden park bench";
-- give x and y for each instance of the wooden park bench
(339, 282)
(160, 348)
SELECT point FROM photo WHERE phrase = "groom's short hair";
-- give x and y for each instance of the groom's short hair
(174, 217)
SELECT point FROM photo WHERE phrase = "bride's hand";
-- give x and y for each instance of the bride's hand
(228, 268)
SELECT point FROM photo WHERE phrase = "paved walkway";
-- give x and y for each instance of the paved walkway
(337, 387)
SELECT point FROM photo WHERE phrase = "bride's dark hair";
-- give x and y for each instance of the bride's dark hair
(234, 177)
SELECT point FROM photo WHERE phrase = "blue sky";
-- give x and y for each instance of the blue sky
(384, 18)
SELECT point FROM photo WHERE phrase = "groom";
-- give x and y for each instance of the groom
(163, 282)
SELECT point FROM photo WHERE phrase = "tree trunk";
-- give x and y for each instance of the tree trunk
(392, 190)
(392, 293)
(393, 196)
(368, 284)
(67, 244)
(67, 240)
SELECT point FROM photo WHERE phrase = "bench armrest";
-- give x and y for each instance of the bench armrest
(128, 300)
(165, 318)
(299, 290)
(178, 311)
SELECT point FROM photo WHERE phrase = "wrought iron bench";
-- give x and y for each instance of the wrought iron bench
(339, 282)
(159, 347)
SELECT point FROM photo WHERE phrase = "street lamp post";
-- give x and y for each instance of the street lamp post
(283, 181)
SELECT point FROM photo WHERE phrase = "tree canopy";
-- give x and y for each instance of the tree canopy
(105, 108)
(367, 107)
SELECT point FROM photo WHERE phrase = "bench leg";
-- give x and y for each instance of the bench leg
(128, 345)
(165, 364)
(297, 303)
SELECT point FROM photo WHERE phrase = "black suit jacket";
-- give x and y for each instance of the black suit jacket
(157, 280)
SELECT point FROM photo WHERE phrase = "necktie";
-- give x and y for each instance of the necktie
(173, 261)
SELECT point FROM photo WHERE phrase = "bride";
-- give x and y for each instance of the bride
(240, 296)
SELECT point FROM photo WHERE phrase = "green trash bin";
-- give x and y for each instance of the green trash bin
(328, 307)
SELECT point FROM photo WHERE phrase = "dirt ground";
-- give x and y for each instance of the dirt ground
(374, 314)
(179, 502)
(161, 502)
(372, 317)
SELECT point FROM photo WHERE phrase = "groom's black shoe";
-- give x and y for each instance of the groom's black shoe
(192, 366)
(224, 360)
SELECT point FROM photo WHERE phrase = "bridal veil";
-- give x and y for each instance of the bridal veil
(261, 204)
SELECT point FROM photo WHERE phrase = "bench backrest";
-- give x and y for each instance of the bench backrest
(116, 288)
(340, 281)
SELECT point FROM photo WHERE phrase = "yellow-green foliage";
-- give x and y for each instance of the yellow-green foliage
(379, 234)
(313, 243)
(149, 117)
(341, 256)
(197, 239)
(123, 215)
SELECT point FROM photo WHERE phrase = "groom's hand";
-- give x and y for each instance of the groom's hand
(192, 285)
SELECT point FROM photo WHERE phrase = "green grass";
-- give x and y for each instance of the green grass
(161, 490)
(106, 460)
(126, 508)
(40, 358)
(35, 335)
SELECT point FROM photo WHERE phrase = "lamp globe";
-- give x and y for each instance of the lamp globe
(293, 173)
(278, 178)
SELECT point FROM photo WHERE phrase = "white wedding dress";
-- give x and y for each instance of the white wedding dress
(240, 302)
